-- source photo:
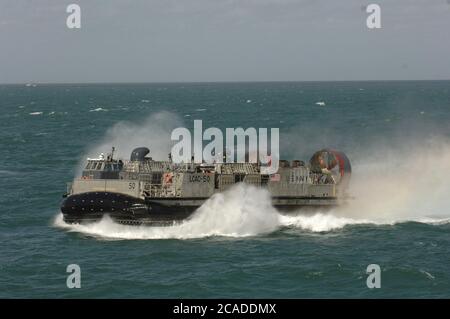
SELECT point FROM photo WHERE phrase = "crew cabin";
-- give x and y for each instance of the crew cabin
(102, 168)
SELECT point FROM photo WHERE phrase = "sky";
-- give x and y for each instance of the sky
(223, 40)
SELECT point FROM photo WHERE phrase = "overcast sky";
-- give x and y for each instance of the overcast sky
(223, 40)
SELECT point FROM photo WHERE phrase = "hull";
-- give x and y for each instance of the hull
(93, 206)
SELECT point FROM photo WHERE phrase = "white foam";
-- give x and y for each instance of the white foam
(36, 113)
(99, 109)
(241, 211)
(320, 222)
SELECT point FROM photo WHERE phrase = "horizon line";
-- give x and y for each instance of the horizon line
(218, 82)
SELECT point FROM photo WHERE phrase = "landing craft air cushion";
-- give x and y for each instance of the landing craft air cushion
(145, 191)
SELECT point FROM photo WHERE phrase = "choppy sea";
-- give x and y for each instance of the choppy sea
(397, 135)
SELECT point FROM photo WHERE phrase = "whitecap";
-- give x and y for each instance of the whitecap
(99, 109)
(426, 273)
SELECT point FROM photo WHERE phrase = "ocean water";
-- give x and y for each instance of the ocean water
(397, 135)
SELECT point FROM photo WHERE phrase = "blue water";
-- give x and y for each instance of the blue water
(396, 134)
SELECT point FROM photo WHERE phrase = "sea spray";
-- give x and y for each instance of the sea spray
(406, 186)
(153, 132)
(409, 182)
(241, 211)
(319, 222)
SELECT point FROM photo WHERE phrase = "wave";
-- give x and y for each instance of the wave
(9, 173)
(99, 109)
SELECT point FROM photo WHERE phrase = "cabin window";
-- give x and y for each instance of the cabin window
(99, 166)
